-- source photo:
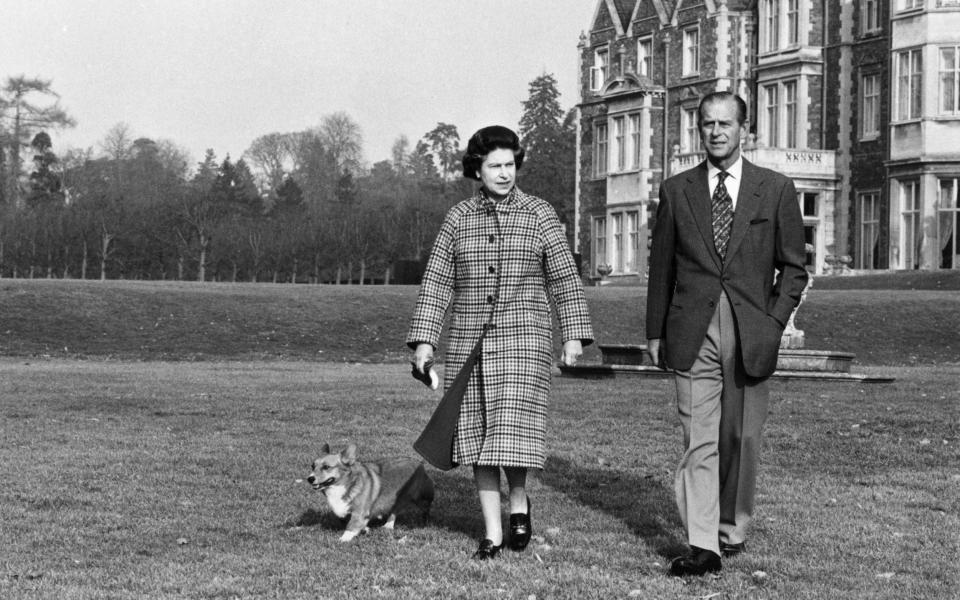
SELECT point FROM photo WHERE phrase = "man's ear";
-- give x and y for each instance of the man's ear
(349, 454)
(325, 449)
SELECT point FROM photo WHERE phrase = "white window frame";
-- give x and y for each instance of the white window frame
(645, 56)
(949, 208)
(618, 246)
(792, 22)
(869, 16)
(619, 153)
(949, 82)
(690, 142)
(771, 114)
(601, 145)
(633, 241)
(599, 242)
(633, 132)
(868, 252)
(903, 5)
(911, 234)
(600, 68)
(791, 113)
(771, 25)
(691, 51)
(870, 106)
(908, 66)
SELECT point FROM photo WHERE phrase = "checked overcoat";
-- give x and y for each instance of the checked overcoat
(501, 258)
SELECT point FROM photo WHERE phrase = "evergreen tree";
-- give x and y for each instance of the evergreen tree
(550, 144)
(45, 183)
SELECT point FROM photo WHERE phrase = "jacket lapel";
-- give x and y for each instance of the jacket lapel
(697, 191)
(748, 201)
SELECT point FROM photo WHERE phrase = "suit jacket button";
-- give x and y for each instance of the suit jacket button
(492, 269)
(490, 299)
(712, 304)
(492, 239)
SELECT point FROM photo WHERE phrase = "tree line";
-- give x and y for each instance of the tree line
(295, 207)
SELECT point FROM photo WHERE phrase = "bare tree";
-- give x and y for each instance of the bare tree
(343, 140)
(271, 157)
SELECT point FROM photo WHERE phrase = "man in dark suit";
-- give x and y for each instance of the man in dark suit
(726, 271)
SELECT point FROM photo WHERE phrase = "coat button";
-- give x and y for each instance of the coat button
(492, 238)
(490, 299)
(712, 304)
(492, 269)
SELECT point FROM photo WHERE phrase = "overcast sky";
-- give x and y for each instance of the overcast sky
(219, 73)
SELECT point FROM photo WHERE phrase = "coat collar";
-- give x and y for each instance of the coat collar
(486, 203)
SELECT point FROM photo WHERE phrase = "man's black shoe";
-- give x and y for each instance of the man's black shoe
(731, 550)
(696, 562)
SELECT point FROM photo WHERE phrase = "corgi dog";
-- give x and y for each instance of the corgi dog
(370, 492)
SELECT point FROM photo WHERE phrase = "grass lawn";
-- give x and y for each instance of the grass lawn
(152, 436)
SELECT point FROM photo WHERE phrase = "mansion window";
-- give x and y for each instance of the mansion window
(868, 254)
(948, 219)
(911, 236)
(690, 142)
(691, 51)
(598, 73)
(780, 126)
(781, 24)
(909, 4)
(623, 144)
(950, 80)
(909, 73)
(599, 242)
(870, 106)
(869, 16)
(634, 141)
(625, 247)
(644, 56)
(600, 150)
(620, 143)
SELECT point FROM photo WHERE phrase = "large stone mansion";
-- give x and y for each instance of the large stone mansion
(857, 100)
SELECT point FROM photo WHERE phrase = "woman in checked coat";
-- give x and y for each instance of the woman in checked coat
(497, 256)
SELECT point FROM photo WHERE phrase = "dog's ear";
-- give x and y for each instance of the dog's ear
(349, 454)
(325, 449)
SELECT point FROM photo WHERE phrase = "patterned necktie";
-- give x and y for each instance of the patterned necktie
(722, 215)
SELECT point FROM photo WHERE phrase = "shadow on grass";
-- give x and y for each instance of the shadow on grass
(456, 507)
(642, 503)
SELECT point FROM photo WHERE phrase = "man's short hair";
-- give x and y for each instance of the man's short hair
(720, 97)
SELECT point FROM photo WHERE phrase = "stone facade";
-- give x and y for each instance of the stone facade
(877, 186)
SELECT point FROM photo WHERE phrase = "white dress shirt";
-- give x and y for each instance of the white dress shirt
(732, 181)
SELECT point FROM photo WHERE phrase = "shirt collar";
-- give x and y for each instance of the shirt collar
(735, 170)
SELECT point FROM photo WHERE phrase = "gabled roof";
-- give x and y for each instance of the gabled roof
(660, 6)
(607, 15)
(625, 10)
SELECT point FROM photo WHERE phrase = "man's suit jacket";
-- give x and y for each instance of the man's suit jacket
(763, 274)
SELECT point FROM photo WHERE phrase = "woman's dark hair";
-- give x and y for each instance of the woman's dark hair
(485, 141)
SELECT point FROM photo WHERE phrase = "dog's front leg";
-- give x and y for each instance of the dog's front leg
(355, 527)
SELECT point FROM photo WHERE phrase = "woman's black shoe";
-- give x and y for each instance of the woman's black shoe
(487, 551)
(520, 529)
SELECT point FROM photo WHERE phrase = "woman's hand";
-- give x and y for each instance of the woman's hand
(572, 349)
(422, 355)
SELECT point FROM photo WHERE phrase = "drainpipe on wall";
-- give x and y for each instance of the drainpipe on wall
(666, 105)
(576, 186)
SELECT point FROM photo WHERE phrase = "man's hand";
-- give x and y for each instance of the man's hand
(572, 349)
(422, 355)
(653, 347)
